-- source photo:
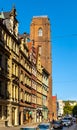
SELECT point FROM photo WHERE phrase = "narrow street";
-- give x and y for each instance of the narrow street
(73, 127)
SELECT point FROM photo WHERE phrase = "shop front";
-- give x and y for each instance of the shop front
(39, 115)
(25, 115)
(45, 113)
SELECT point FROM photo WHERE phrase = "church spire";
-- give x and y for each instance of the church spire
(13, 11)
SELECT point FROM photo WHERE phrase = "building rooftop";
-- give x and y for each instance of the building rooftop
(41, 16)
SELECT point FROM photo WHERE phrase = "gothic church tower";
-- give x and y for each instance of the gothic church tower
(40, 34)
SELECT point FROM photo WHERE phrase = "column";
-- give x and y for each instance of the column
(9, 109)
(3, 112)
(21, 117)
(16, 116)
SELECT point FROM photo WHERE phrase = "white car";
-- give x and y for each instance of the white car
(66, 122)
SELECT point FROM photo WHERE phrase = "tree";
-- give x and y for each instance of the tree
(67, 108)
(74, 111)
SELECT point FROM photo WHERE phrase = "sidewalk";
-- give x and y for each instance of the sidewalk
(18, 127)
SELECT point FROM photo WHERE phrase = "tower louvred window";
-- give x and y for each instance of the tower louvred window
(40, 32)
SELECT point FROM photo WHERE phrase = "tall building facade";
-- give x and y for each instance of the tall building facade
(54, 107)
(40, 34)
(4, 77)
(32, 56)
(60, 107)
(25, 72)
(25, 68)
(9, 78)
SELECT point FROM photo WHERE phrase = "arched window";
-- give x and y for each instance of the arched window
(40, 32)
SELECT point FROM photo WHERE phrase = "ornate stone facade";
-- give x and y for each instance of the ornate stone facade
(25, 73)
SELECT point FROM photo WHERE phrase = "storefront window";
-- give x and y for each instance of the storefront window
(5, 111)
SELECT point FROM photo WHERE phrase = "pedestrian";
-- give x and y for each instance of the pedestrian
(53, 121)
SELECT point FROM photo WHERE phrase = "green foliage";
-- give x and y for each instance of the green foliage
(67, 108)
(74, 110)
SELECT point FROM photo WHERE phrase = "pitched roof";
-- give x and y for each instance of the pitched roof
(6, 14)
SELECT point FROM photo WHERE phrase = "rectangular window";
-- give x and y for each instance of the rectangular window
(16, 92)
(0, 60)
(13, 92)
(6, 65)
(12, 68)
(0, 88)
(0, 32)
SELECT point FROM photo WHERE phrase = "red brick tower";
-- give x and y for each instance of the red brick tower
(40, 34)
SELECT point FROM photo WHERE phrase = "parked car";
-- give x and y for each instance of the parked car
(45, 126)
(29, 128)
(57, 124)
(66, 121)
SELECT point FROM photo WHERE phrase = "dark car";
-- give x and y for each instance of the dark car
(57, 124)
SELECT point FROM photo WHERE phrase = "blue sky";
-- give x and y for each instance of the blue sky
(63, 19)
